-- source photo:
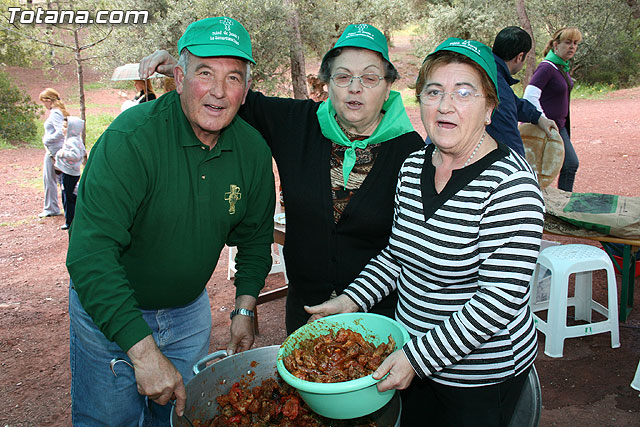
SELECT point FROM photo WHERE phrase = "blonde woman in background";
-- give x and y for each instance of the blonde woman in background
(145, 91)
(168, 84)
(53, 139)
(549, 90)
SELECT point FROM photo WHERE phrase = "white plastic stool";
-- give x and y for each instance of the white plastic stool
(636, 380)
(562, 261)
(277, 265)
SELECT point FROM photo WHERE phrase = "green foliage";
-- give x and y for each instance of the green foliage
(14, 50)
(264, 19)
(17, 113)
(36, 141)
(409, 97)
(100, 85)
(96, 125)
(465, 19)
(321, 22)
(608, 53)
(609, 49)
(593, 91)
(618, 66)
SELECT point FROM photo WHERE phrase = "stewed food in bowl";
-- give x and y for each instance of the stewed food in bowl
(338, 356)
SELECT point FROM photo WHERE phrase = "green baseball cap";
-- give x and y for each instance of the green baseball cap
(219, 36)
(479, 53)
(364, 36)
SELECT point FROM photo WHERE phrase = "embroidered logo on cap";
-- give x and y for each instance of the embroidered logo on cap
(227, 23)
(362, 32)
(467, 45)
(226, 35)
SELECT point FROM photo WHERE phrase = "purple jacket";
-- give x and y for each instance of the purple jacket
(554, 98)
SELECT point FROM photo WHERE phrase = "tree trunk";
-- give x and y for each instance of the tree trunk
(635, 8)
(78, 58)
(298, 70)
(49, 31)
(523, 18)
(387, 35)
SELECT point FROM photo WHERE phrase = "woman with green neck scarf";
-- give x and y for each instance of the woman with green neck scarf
(338, 162)
(550, 91)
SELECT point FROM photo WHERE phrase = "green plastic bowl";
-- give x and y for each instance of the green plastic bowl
(348, 399)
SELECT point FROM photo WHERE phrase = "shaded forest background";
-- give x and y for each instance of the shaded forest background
(287, 33)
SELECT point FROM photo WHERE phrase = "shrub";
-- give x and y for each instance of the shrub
(18, 114)
(95, 126)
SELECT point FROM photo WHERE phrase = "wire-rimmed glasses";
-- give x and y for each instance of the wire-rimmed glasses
(460, 96)
(368, 80)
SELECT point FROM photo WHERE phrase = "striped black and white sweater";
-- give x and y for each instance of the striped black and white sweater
(461, 261)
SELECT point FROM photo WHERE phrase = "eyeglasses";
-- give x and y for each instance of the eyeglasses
(368, 80)
(462, 96)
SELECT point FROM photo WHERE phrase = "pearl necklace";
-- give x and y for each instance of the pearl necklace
(475, 150)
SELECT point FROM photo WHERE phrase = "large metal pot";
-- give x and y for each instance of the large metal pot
(251, 367)
(529, 406)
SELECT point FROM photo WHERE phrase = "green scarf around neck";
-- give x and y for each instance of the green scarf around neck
(551, 56)
(394, 123)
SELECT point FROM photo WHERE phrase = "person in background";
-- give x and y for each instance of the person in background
(510, 49)
(145, 91)
(168, 84)
(52, 139)
(466, 234)
(338, 162)
(141, 96)
(69, 161)
(550, 91)
(167, 185)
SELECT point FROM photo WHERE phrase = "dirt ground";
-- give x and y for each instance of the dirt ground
(589, 386)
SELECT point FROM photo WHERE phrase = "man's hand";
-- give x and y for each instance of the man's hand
(156, 376)
(159, 61)
(340, 304)
(242, 334)
(400, 372)
(547, 125)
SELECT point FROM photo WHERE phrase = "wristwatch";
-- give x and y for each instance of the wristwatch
(241, 311)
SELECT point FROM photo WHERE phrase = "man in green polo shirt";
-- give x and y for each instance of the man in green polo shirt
(167, 185)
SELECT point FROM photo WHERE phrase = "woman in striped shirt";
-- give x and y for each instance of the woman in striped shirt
(466, 234)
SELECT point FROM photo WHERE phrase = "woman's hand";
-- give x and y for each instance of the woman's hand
(340, 304)
(160, 61)
(400, 372)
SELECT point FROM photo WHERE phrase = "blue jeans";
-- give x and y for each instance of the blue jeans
(570, 164)
(98, 398)
(69, 200)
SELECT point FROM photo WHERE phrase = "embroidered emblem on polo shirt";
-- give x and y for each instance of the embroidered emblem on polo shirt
(232, 196)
